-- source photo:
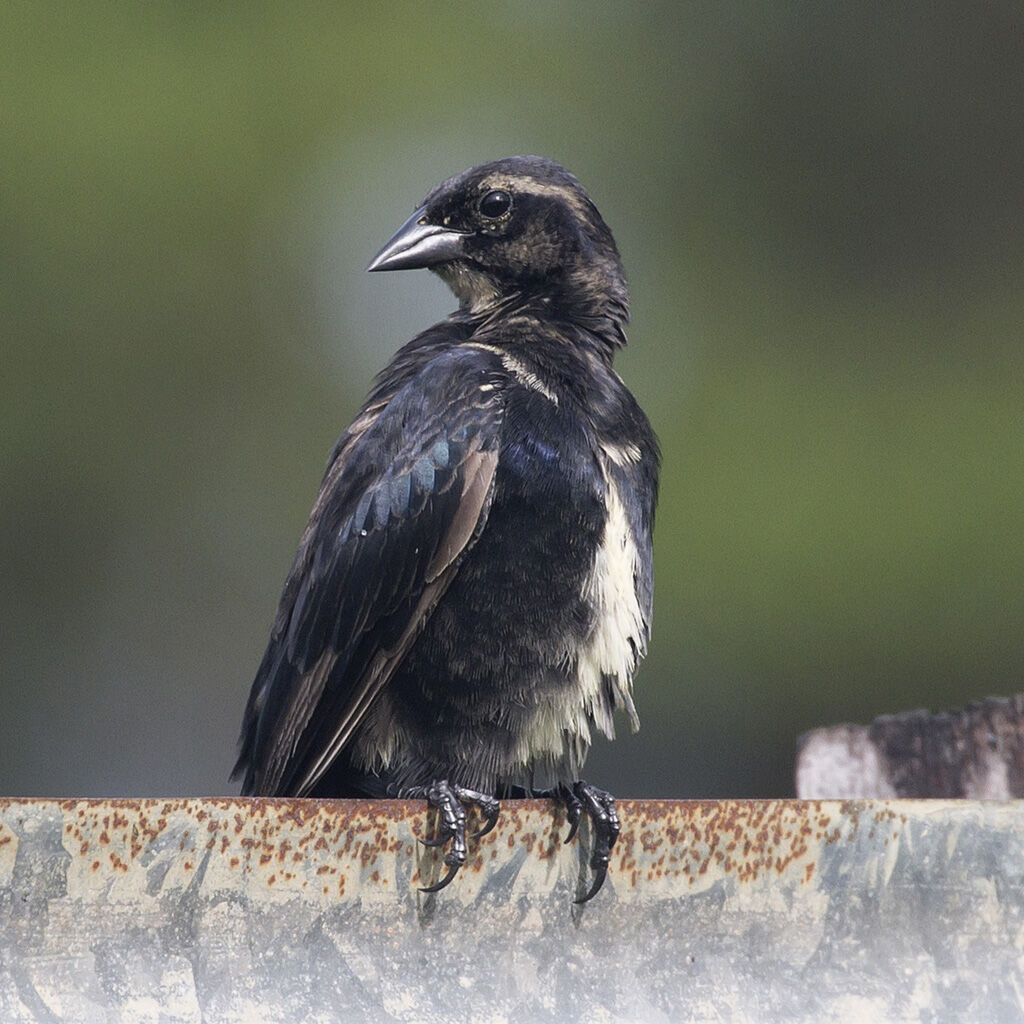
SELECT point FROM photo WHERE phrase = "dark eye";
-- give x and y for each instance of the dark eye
(495, 204)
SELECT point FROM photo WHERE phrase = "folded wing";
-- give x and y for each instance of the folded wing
(404, 496)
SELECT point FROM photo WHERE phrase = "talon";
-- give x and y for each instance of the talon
(604, 822)
(447, 800)
(573, 811)
(453, 870)
(574, 827)
(599, 878)
(440, 840)
(487, 805)
(490, 810)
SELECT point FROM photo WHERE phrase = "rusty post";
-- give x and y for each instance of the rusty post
(976, 752)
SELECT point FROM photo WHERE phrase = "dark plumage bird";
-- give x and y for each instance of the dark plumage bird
(472, 594)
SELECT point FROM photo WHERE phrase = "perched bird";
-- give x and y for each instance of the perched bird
(472, 594)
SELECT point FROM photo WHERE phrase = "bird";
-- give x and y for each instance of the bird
(472, 594)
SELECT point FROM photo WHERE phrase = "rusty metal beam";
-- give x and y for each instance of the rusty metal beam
(291, 910)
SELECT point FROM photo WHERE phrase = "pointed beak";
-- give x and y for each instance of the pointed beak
(418, 244)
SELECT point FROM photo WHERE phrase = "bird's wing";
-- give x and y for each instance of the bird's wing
(406, 492)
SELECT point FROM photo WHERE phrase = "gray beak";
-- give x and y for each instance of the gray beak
(418, 244)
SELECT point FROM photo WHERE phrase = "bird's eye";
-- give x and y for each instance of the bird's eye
(495, 204)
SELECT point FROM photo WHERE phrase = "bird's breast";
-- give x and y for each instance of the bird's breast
(612, 650)
(535, 642)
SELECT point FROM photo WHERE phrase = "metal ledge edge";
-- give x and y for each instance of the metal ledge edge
(209, 911)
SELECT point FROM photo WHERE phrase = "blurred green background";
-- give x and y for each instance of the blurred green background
(820, 210)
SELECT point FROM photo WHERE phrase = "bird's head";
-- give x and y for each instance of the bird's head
(522, 227)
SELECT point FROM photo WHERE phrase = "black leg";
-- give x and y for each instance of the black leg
(600, 809)
(447, 800)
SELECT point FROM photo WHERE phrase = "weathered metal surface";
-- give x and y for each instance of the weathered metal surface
(256, 910)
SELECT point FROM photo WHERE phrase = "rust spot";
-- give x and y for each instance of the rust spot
(660, 840)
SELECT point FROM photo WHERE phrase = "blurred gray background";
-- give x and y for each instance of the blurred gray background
(820, 210)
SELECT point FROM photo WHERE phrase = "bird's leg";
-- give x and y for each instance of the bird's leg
(447, 800)
(604, 822)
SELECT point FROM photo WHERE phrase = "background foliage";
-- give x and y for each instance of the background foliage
(820, 208)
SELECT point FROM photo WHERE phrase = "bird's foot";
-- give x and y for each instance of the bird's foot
(604, 822)
(448, 801)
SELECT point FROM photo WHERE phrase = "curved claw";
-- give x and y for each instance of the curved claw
(599, 877)
(573, 810)
(437, 841)
(490, 820)
(453, 870)
(599, 806)
(574, 827)
(447, 800)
